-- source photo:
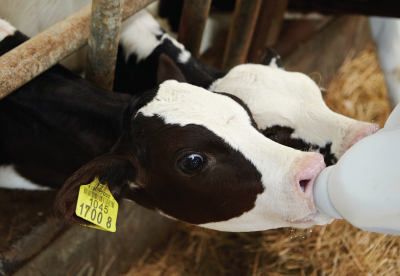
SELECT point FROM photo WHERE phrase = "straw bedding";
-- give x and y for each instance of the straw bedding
(357, 91)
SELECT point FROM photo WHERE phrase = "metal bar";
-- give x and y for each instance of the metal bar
(41, 52)
(192, 24)
(240, 32)
(267, 28)
(105, 26)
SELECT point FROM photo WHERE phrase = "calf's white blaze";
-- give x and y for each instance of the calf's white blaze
(183, 104)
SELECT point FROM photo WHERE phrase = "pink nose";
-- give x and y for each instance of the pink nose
(361, 132)
(311, 169)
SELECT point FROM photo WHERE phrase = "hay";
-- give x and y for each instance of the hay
(357, 91)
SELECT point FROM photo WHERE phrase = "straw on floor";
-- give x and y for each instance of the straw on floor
(357, 91)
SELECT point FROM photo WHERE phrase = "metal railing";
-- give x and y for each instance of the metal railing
(100, 23)
(46, 49)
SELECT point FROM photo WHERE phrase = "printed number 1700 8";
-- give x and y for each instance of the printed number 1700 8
(97, 205)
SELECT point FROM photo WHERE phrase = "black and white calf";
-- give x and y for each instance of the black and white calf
(188, 153)
(287, 106)
(142, 41)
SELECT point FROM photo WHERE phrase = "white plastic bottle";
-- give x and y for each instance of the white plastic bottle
(364, 186)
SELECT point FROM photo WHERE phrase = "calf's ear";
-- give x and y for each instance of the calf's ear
(115, 170)
(168, 70)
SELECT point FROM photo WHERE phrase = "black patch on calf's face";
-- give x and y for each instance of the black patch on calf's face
(329, 158)
(195, 72)
(282, 135)
(224, 187)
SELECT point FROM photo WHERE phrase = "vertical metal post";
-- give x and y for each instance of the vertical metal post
(240, 32)
(192, 24)
(267, 28)
(105, 26)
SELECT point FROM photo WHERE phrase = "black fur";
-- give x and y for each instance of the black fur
(56, 123)
(283, 136)
(144, 73)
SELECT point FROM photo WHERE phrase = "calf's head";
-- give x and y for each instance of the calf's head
(289, 109)
(197, 156)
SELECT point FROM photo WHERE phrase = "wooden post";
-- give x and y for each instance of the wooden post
(193, 21)
(267, 28)
(240, 32)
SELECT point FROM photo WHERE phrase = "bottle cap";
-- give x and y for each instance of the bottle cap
(321, 195)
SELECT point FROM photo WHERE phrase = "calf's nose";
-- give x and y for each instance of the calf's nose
(310, 169)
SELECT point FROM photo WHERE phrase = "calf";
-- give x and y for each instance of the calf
(185, 152)
(142, 41)
(288, 107)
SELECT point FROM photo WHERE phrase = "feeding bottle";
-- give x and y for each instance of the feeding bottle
(364, 186)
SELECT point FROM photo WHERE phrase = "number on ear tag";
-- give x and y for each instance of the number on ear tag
(97, 205)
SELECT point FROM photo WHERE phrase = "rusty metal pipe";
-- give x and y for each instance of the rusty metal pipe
(193, 21)
(105, 27)
(41, 52)
(240, 32)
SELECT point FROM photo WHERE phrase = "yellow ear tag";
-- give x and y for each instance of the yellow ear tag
(97, 205)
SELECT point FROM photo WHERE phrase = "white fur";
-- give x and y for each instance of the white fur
(278, 97)
(184, 55)
(214, 85)
(182, 104)
(5, 29)
(273, 63)
(10, 179)
(163, 22)
(138, 35)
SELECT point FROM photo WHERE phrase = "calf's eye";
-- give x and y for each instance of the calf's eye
(191, 163)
